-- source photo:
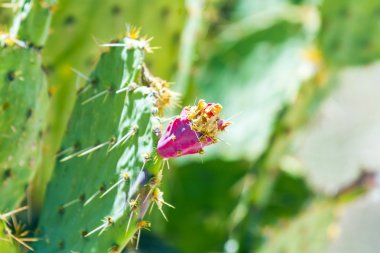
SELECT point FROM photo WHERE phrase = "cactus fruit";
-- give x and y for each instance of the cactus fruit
(195, 128)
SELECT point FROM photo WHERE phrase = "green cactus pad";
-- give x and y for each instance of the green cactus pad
(23, 93)
(32, 21)
(77, 29)
(6, 244)
(102, 116)
(350, 32)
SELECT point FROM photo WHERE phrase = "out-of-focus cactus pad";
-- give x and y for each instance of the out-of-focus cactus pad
(350, 32)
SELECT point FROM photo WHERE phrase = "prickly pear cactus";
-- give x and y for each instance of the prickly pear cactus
(342, 36)
(23, 101)
(77, 30)
(110, 166)
(107, 156)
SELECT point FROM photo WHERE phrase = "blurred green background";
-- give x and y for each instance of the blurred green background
(298, 169)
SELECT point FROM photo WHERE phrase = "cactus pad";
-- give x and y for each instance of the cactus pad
(22, 94)
(107, 156)
(6, 244)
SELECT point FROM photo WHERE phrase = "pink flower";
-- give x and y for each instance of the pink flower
(195, 128)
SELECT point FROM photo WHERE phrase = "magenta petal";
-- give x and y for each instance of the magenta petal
(179, 139)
